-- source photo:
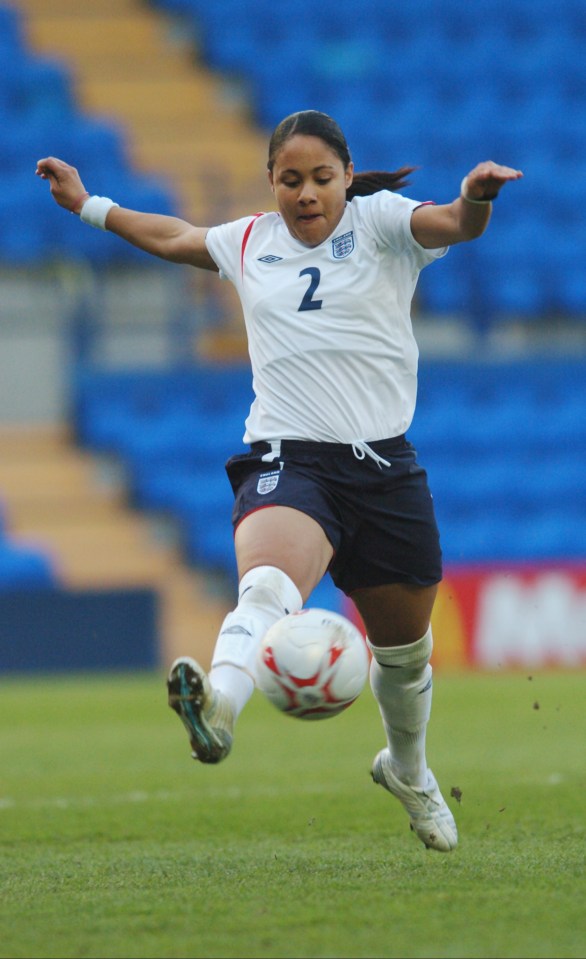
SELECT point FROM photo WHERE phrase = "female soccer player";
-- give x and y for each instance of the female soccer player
(326, 285)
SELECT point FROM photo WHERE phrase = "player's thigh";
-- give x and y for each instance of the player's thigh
(395, 614)
(287, 538)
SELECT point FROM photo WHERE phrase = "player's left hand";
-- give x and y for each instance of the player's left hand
(66, 187)
(488, 178)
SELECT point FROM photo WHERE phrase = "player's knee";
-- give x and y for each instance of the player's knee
(268, 587)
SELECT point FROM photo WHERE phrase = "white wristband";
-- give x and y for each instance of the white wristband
(464, 195)
(95, 210)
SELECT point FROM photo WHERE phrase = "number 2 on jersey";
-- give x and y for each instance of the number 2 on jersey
(308, 303)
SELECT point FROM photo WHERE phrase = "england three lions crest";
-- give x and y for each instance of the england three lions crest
(343, 245)
(267, 482)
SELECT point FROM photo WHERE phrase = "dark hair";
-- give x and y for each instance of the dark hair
(315, 124)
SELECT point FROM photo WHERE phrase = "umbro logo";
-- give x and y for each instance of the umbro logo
(269, 258)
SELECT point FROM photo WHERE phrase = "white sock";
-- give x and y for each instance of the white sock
(236, 685)
(401, 680)
(265, 594)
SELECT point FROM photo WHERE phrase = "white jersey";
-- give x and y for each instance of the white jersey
(329, 329)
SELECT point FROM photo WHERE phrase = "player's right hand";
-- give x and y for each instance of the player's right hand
(65, 183)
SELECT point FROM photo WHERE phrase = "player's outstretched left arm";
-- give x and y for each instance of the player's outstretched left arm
(466, 217)
(167, 237)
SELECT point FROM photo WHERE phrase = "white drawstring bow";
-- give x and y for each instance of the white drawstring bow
(361, 450)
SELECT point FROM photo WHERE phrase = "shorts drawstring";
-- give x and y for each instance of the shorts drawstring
(274, 452)
(361, 450)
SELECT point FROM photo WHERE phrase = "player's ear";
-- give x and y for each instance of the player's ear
(271, 181)
(349, 174)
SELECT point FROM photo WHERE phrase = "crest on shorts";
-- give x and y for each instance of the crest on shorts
(267, 482)
(343, 245)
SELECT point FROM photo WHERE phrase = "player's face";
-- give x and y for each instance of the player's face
(309, 182)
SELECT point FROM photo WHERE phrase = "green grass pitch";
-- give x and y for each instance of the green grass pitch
(114, 843)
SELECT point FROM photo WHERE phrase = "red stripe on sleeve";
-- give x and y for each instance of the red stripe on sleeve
(245, 239)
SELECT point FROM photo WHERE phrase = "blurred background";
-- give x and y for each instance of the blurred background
(124, 381)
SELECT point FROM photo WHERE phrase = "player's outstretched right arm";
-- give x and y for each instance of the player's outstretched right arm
(167, 237)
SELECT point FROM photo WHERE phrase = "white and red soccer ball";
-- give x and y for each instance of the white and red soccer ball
(312, 664)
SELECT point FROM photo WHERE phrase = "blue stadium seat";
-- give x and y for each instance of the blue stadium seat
(553, 537)
(445, 287)
(111, 404)
(503, 444)
(25, 568)
(11, 30)
(39, 116)
(427, 84)
(23, 237)
(102, 398)
(327, 596)
(33, 86)
(205, 529)
(188, 442)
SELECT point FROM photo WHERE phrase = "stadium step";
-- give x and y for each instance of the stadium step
(184, 125)
(131, 66)
(71, 506)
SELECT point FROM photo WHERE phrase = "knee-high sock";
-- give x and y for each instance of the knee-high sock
(401, 680)
(265, 594)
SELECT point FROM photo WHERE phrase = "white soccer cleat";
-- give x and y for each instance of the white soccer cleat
(429, 814)
(206, 714)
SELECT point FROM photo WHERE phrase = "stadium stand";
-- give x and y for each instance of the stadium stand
(421, 83)
(430, 85)
(133, 70)
(41, 115)
(67, 527)
(503, 443)
(24, 568)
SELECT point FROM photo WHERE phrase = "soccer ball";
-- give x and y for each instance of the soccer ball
(312, 664)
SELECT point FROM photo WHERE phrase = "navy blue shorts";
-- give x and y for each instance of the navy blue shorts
(379, 520)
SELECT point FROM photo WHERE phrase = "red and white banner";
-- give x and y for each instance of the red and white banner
(521, 616)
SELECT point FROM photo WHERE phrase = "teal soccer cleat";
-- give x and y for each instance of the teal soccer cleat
(206, 714)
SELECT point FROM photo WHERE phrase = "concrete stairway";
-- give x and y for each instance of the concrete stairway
(71, 506)
(185, 127)
(184, 124)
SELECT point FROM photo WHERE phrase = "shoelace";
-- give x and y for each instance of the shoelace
(361, 450)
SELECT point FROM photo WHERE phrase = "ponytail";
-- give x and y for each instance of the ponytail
(372, 181)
